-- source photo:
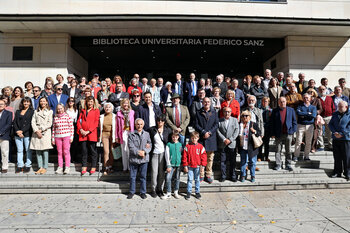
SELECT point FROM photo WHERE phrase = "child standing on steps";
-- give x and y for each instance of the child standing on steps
(173, 158)
(194, 159)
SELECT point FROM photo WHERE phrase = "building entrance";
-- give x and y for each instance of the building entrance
(154, 57)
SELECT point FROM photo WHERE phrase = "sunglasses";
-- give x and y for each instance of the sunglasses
(245, 115)
(59, 89)
(136, 96)
(36, 90)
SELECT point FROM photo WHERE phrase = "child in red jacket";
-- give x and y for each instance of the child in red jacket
(194, 159)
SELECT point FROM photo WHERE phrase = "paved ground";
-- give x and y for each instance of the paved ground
(306, 211)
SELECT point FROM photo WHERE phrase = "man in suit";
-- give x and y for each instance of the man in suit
(5, 129)
(283, 125)
(206, 125)
(116, 97)
(221, 84)
(179, 86)
(239, 95)
(197, 104)
(227, 133)
(178, 117)
(191, 89)
(57, 98)
(149, 111)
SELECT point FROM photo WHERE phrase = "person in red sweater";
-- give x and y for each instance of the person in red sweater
(62, 137)
(194, 159)
(328, 108)
(232, 103)
(87, 130)
(133, 85)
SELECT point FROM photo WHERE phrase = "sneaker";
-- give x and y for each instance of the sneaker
(242, 179)
(59, 170)
(209, 180)
(66, 170)
(176, 194)
(198, 196)
(166, 196)
(188, 196)
(295, 159)
(130, 196)
(201, 179)
(143, 195)
(154, 194)
(253, 179)
(289, 168)
(277, 168)
(26, 170)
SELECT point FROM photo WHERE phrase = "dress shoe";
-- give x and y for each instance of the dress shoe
(26, 170)
(154, 194)
(143, 195)
(222, 180)
(347, 178)
(130, 196)
(234, 179)
(198, 196)
(19, 170)
(289, 168)
(307, 159)
(4, 171)
(188, 196)
(335, 175)
(252, 179)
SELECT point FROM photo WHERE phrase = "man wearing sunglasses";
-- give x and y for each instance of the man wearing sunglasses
(57, 98)
(36, 96)
(345, 90)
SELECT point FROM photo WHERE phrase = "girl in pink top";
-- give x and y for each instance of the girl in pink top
(125, 125)
(62, 137)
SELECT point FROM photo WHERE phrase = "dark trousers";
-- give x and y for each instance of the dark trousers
(230, 155)
(88, 146)
(266, 145)
(134, 169)
(341, 154)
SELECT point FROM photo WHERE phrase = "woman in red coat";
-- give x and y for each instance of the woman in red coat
(87, 130)
(232, 103)
(133, 85)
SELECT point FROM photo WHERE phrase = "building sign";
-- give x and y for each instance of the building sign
(173, 41)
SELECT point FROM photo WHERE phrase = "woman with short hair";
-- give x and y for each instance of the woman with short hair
(232, 103)
(29, 89)
(48, 89)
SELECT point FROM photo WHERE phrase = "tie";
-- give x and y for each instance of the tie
(178, 88)
(177, 117)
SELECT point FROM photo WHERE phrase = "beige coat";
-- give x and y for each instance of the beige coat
(42, 120)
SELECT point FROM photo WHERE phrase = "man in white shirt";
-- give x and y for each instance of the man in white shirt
(267, 79)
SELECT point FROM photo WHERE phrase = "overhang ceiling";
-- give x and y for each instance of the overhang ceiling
(176, 26)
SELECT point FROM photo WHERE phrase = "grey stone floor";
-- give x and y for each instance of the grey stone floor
(305, 211)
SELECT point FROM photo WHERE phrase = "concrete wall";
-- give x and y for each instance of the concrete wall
(328, 9)
(317, 57)
(52, 55)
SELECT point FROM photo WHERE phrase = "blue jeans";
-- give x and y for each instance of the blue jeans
(19, 143)
(134, 168)
(43, 158)
(169, 177)
(193, 173)
(251, 163)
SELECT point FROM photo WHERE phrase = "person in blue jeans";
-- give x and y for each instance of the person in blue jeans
(194, 160)
(23, 130)
(140, 146)
(173, 157)
(247, 150)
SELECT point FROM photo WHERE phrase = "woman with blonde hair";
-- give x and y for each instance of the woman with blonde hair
(48, 88)
(231, 103)
(107, 136)
(62, 137)
(247, 149)
(41, 139)
(125, 125)
(87, 130)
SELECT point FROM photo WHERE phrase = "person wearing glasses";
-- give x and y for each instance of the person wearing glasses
(60, 81)
(74, 91)
(58, 97)
(36, 96)
(136, 101)
(345, 90)
(248, 153)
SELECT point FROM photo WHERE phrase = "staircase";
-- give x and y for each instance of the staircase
(312, 174)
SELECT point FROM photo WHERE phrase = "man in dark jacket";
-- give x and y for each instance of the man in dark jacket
(340, 127)
(5, 129)
(179, 86)
(149, 111)
(116, 98)
(283, 125)
(206, 125)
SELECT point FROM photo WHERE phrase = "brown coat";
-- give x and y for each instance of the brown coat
(185, 118)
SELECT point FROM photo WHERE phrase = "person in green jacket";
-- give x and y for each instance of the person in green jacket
(173, 157)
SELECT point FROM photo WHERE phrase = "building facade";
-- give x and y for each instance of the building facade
(40, 38)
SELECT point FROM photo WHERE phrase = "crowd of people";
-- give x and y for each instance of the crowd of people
(174, 126)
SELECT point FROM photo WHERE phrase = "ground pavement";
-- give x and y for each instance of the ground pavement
(305, 211)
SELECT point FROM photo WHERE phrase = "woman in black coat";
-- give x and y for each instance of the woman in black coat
(23, 130)
(247, 150)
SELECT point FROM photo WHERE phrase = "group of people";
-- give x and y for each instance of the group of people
(149, 124)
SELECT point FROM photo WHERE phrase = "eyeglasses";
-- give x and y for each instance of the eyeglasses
(136, 96)
(36, 90)
(59, 89)
(245, 115)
